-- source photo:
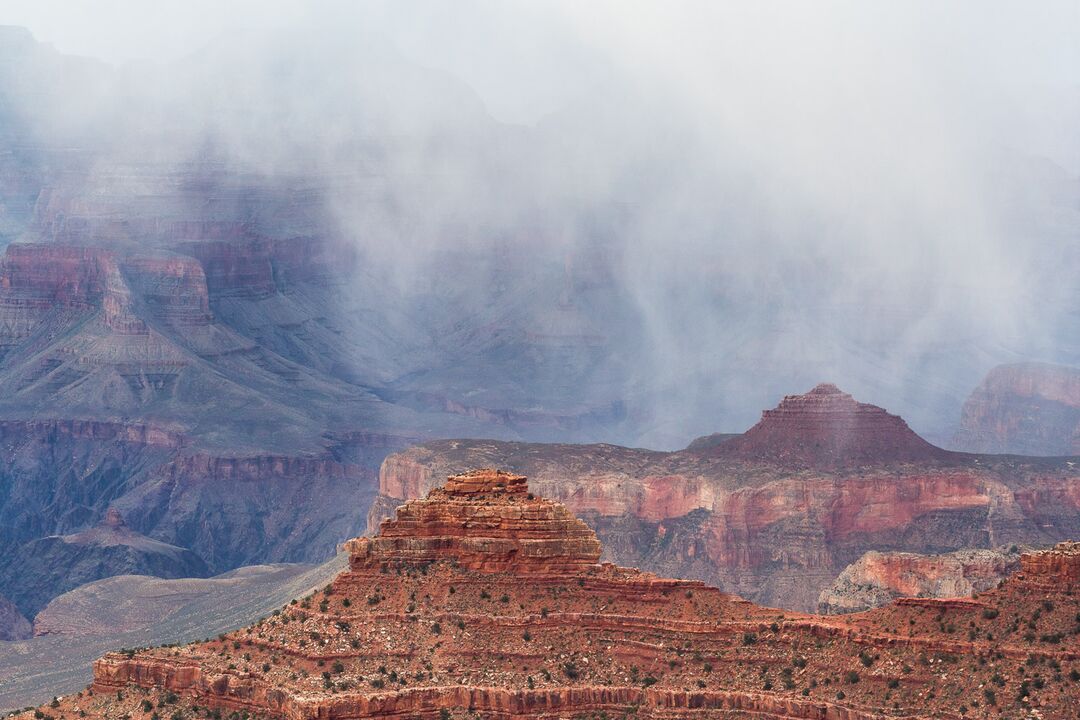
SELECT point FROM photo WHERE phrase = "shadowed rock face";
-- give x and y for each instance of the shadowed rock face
(776, 514)
(444, 632)
(827, 428)
(877, 578)
(1027, 409)
(44, 568)
(13, 626)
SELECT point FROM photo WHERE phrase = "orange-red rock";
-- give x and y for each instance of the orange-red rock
(442, 632)
(776, 514)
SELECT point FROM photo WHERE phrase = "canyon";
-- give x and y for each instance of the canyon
(41, 569)
(485, 598)
(775, 514)
(138, 610)
(222, 335)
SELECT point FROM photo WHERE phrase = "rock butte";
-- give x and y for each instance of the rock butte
(776, 514)
(482, 600)
(827, 427)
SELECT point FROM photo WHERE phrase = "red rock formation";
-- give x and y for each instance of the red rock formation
(1027, 408)
(779, 527)
(827, 428)
(1058, 568)
(517, 534)
(877, 578)
(444, 632)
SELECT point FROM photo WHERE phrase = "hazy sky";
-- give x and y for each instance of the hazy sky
(527, 58)
(880, 192)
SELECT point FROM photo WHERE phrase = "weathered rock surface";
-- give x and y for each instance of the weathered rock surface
(877, 579)
(42, 569)
(826, 428)
(137, 610)
(61, 478)
(13, 626)
(443, 633)
(531, 536)
(1026, 409)
(776, 528)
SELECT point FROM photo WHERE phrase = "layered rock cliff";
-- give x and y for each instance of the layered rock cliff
(775, 525)
(1026, 409)
(877, 578)
(456, 609)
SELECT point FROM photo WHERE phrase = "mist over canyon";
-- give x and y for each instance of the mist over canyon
(670, 338)
(692, 230)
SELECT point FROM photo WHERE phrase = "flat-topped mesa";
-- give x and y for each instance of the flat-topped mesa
(1055, 569)
(484, 520)
(486, 480)
(827, 427)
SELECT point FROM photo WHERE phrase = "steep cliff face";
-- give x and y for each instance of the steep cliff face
(219, 511)
(777, 527)
(42, 569)
(877, 578)
(13, 626)
(195, 380)
(1027, 409)
(482, 599)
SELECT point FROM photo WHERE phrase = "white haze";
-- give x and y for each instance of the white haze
(884, 195)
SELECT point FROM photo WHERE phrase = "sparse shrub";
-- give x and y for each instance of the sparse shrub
(749, 638)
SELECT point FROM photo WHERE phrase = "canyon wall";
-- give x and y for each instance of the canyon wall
(776, 514)
(1026, 409)
(877, 578)
(456, 609)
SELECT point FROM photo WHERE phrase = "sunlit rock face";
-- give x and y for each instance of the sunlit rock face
(1025, 409)
(878, 578)
(483, 598)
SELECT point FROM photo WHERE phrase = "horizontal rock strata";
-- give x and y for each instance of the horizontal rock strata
(433, 631)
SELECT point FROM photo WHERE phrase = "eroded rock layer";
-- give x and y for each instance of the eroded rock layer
(772, 526)
(438, 634)
(827, 427)
(878, 578)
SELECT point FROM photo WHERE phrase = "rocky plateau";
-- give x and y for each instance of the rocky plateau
(777, 513)
(484, 599)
